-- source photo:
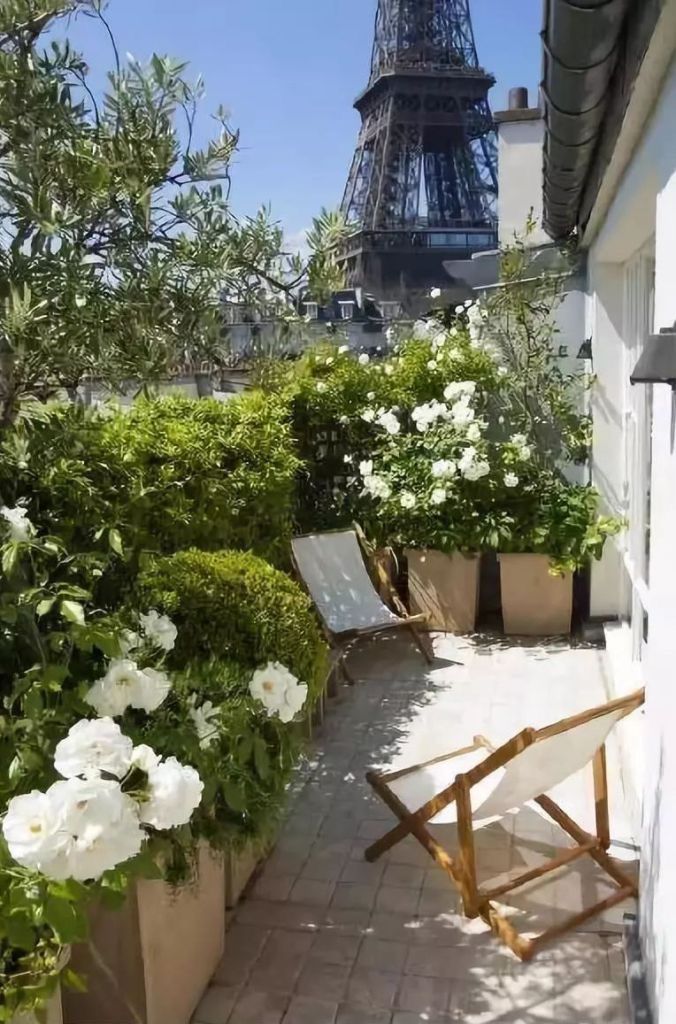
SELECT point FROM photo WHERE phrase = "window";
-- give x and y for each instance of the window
(312, 310)
(346, 310)
(391, 310)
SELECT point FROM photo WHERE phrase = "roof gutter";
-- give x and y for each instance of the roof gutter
(581, 45)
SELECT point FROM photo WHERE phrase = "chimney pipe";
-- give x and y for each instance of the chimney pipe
(518, 98)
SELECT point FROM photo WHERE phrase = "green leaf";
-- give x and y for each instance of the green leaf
(10, 557)
(115, 541)
(61, 915)
(261, 758)
(45, 606)
(234, 796)
(20, 931)
(74, 982)
(73, 611)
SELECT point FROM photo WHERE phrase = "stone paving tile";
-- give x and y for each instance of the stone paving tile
(310, 1011)
(327, 938)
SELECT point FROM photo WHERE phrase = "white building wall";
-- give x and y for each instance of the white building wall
(645, 205)
(520, 147)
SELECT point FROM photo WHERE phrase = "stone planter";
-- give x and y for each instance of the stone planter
(240, 865)
(152, 960)
(444, 587)
(534, 603)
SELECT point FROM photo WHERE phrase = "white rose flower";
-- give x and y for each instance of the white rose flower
(389, 422)
(421, 330)
(459, 389)
(462, 413)
(502, 371)
(443, 468)
(321, 386)
(459, 309)
(389, 370)
(525, 453)
(344, 420)
(120, 688)
(435, 293)
(347, 459)
(439, 496)
(174, 791)
(202, 718)
(101, 826)
(369, 416)
(407, 500)
(343, 349)
(159, 629)
(92, 747)
(31, 830)
(366, 468)
(377, 487)
(468, 303)
(519, 440)
(129, 641)
(144, 757)
(511, 480)
(278, 690)
(329, 361)
(20, 526)
(364, 359)
(432, 364)
(474, 432)
(371, 395)
(153, 689)
(476, 471)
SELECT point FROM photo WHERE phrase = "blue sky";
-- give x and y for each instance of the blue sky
(289, 70)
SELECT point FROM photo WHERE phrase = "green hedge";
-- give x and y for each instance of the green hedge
(168, 474)
(232, 605)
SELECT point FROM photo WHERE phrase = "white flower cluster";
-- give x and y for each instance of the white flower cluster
(85, 824)
(125, 685)
(471, 466)
(426, 415)
(520, 442)
(279, 691)
(383, 418)
(19, 525)
(203, 720)
(374, 485)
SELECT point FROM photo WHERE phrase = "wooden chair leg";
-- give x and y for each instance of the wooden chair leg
(423, 647)
(467, 874)
(601, 798)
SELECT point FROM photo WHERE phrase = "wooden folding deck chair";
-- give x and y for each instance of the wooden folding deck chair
(332, 568)
(521, 770)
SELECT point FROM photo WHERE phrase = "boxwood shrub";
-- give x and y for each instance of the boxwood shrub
(165, 475)
(233, 605)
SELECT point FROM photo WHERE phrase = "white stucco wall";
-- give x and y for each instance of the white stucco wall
(520, 179)
(645, 204)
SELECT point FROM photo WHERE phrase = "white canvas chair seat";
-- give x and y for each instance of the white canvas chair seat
(332, 568)
(479, 784)
(536, 770)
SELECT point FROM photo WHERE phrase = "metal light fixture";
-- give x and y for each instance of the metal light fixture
(657, 364)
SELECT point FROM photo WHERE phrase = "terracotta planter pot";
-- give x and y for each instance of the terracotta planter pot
(534, 603)
(155, 957)
(446, 588)
(240, 866)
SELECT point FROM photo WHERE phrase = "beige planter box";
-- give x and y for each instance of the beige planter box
(534, 603)
(155, 957)
(240, 865)
(444, 587)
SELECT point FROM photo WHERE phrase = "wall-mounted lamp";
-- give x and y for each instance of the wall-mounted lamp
(657, 364)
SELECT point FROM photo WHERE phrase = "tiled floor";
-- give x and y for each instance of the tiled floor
(325, 938)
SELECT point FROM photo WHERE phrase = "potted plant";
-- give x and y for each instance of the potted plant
(556, 531)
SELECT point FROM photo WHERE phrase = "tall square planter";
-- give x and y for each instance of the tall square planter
(444, 587)
(155, 957)
(240, 866)
(534, 603)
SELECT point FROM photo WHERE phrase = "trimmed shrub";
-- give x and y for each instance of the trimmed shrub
(232, 605)
(168, 474)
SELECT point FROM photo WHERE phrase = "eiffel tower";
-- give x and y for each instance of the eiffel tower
(422, 188)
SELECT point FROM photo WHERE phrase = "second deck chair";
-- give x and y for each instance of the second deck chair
(331, 565)
(504, 779)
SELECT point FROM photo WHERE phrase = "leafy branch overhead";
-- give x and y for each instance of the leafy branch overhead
(117, 236)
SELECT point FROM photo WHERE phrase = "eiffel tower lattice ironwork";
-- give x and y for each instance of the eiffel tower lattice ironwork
(422, 187)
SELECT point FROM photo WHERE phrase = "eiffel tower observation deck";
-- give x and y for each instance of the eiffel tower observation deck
(422, 188)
